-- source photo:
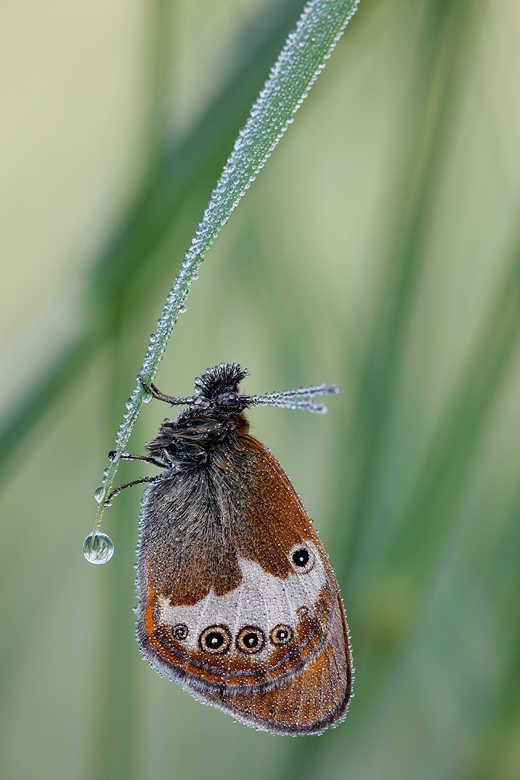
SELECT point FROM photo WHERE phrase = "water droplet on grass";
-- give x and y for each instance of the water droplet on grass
(99, 550)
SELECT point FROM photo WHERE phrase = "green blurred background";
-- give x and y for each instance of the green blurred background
(379, 249)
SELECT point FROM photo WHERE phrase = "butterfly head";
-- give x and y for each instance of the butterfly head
(215, 413)
(217, 390)
(212, 415)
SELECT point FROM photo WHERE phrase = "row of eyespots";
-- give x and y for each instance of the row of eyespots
(250, 639)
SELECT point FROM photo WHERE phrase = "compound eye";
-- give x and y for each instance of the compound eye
(228, 400)
(301, 558)
(250, 639)
(281, 635)
(215, 640)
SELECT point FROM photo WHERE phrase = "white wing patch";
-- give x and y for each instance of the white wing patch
(261, 600)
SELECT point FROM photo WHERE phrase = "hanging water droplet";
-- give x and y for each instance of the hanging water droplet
(183, 310)
(147, 397)
(105, 471)
(99, 494)
(129, 402)
(99, 550)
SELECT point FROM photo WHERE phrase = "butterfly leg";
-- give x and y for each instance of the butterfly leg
(130, 484)
(155, 393)
(126, 456)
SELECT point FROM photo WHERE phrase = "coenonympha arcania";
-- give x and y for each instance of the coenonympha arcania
(237, 599)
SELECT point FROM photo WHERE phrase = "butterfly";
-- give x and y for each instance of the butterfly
(237, 599)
